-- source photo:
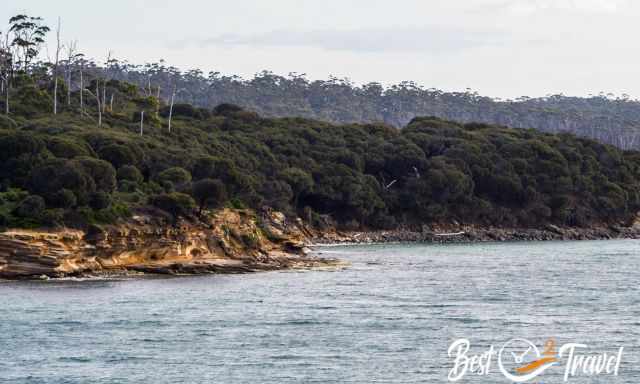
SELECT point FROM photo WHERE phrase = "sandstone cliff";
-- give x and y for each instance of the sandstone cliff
(231, 241)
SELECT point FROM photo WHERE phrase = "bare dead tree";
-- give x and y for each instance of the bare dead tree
(6, 100)
(6, 70)
(158, 103)
(97, 97)
(72, 56)
(104, 82)
(99, 104)
(141, 123)
(111, 103)
(81, 87)
(173, 97)
(55, 69)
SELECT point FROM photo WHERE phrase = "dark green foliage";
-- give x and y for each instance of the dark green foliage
(100, 200)
(64, 198)
(186, 110)
(19, 153)
(209, 193)
(175, 203)
(102, 172)
(432, 171)
(118, 155)
(226, 109)
(31, 207)
(66, 149)
(301, 182)
(176, 176)
(57, 174)
(130, 173)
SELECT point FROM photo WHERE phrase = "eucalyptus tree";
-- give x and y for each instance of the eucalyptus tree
(6, 69)
(55, 68)
(71, 62)
(28, 36)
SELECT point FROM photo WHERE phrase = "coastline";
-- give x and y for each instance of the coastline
(231, 242)
(226, 242)
(474, 234)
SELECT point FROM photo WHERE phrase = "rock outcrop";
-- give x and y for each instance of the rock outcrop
(231, 241)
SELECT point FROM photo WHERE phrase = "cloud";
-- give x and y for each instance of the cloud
(426, 39)
(532, 6)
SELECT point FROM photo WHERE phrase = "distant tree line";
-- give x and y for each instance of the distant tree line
(604, 117)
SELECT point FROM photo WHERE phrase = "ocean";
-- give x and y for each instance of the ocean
(390, 317)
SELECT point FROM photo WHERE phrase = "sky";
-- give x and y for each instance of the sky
(499, 48)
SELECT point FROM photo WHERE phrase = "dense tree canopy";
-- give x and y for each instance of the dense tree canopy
(604, 117)
(66, 169)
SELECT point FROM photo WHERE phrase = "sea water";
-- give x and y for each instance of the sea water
(389, 318)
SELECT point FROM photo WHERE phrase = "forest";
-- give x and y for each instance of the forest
(100, 151)
(605, 117)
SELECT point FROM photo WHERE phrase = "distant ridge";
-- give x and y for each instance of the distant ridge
(604, 117)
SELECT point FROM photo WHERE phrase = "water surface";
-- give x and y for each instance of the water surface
(388, 319)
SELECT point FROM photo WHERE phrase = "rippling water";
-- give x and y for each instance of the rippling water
(390, 318)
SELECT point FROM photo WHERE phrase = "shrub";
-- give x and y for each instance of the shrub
(4, 220)
(227, 109)
(118, 155)
(177, 176)
(66, 149)
(100, 200)
(58, 174)
(184, 110)
(102, 172)
(130, 173)
(64, 198)
(175, 203)
(31, 207)
(53, 217)
(209, 193)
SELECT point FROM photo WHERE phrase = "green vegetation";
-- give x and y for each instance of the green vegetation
(109, 148)
(65, 169)
(604, 117)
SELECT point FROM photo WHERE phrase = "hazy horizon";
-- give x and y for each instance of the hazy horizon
(499, 48)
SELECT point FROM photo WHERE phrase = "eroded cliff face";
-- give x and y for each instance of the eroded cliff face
(230, 241)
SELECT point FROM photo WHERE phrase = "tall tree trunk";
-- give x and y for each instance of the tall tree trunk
(55, 70)
(6, 100)
(158, 103)
(104, 95)
(71, 60)
(69, 88)
(99, 105)
(173, 96)
(141, 123)
(81, 92)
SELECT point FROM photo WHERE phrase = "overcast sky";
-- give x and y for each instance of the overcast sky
(500, 48)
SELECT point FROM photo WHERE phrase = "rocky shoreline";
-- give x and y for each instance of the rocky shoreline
(230, 241)
(471, 234)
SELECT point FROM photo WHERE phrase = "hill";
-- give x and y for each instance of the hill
(608, 119)
(75, 169)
